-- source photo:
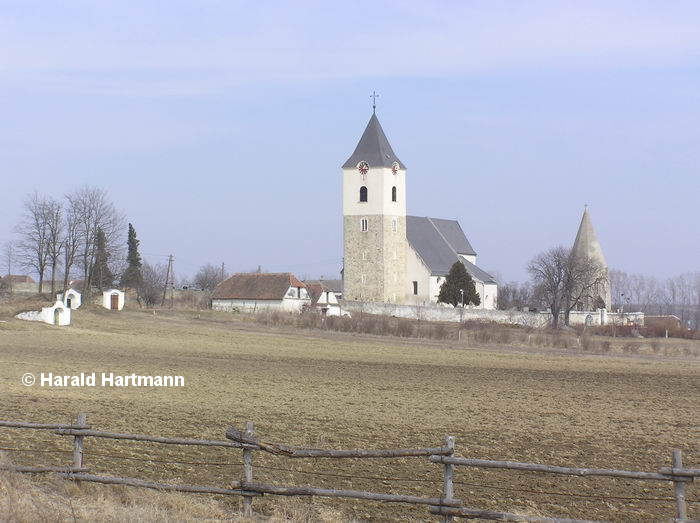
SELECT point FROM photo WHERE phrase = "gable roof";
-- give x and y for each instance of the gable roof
(586, 243)
(256, 286)
(373, 148)
(316, 288)
(439, 244)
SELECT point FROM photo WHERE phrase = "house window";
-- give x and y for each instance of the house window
(394, 225)
(364, 225)
(363, 193)
(415, 287)
(393, 193)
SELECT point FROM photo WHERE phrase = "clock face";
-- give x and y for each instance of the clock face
(395, 168)
(363, 167)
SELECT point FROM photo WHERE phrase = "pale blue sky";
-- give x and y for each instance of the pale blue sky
(219, 127)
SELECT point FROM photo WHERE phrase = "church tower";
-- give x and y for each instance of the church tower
(587, 245)
(374, 220)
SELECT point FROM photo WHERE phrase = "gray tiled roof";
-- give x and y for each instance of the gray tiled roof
(373, 148)
(439, 243)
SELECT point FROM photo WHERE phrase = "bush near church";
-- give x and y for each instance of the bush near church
(458, 280)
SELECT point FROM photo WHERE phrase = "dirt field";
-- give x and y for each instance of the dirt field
(345, 391)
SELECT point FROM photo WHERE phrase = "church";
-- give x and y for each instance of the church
(390, 256)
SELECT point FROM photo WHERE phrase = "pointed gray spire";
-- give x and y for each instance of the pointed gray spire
(586, 243)
(373, 148)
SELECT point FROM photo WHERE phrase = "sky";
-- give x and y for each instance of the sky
(219, 127)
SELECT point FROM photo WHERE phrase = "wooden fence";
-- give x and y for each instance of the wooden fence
(447, 505)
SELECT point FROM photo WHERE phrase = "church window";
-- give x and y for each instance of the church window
(364, 225)
(394, 225)
(415, 287)
(394, 254)
(363, 279)
(364, 255)
(363, 193)
(393, 193)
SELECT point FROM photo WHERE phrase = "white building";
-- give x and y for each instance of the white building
(434, 246)
(255, 292)
(389, 256)
(57, 314)
(323, 298)
(113, 299)
(72, 298)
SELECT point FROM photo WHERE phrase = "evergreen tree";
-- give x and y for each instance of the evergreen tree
(100, 274)
(458, 279)
(132, 275)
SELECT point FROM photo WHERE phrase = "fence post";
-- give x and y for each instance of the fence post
(679, 487)
(447, 485)
(248, 470)
(78, 444)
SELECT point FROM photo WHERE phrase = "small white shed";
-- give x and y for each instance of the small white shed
(72, 298)
(57, 314)
(113, 299)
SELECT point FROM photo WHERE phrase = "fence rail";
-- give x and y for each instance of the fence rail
(447, 506)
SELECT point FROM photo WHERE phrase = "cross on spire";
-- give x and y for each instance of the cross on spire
(374, 97)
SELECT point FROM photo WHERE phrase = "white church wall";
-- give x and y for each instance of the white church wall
(471, 258)
(435, 312)
(416, 271)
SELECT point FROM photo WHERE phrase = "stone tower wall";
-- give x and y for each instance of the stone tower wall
(379, 254)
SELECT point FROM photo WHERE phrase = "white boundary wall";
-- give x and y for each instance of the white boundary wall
(434, 312)
(440, 313)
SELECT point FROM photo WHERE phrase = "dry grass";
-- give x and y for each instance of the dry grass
(344, 390)
(51, 499)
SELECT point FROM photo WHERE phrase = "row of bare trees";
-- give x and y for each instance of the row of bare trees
(678, 295)
(58, 236)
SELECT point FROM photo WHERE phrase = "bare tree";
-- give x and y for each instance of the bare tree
(34, 233)
(548, 272)
(209, 276)
(583, 281)
(9, 259)
(54, 222)
(152, 283)
(514, 295)
(95, 211)
(72, 239)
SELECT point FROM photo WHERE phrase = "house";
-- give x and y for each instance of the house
(72, 298)
(113, 299)
(253, 292)
(336, 286)
(434, 246)
(323, 298)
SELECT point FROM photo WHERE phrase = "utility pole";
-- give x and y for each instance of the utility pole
(167, 280)
(222, 271)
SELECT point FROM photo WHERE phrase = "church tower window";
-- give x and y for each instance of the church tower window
(394, 225)
(364, 225)
(363, 193)
(393, 193)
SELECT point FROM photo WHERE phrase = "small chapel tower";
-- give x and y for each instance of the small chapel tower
(374, 220)
(587, 245)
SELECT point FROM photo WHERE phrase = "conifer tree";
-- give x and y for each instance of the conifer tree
(132, 275)
(458, 279)
(100, 274)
